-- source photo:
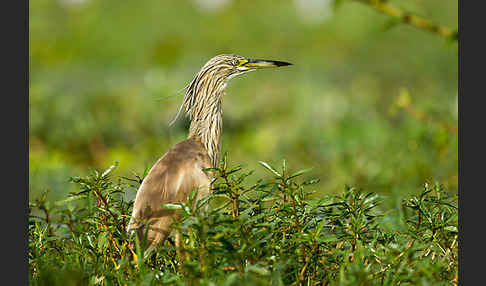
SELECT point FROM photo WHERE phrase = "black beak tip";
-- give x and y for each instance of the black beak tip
(282, 64)
(268, 63)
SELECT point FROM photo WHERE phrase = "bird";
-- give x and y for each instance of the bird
(181, 169)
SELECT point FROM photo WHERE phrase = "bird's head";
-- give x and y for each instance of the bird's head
(227, 66)
(207, 87)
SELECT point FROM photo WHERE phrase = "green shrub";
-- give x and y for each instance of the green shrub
(275, 232)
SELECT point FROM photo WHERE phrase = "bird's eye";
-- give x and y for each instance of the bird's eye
(241, 62)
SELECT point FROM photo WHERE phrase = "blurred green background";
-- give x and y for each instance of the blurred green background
(365, 105)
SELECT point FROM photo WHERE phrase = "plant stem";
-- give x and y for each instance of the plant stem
(410, 19)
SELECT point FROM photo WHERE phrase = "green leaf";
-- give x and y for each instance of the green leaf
(110, 169)
(451, 228)
(298, 173)
(193, 194)
(102, 241)
(72, 198)
(319, 228)
(270, 168)
(172, 206)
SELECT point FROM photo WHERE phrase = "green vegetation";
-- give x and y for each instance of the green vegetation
(276, 232)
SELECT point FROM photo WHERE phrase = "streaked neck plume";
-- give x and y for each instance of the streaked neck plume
(202, 103)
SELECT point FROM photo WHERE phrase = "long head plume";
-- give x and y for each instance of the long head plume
(202, 100)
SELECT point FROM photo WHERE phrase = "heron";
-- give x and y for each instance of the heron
(181, 169)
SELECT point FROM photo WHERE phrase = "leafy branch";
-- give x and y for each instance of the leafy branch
(411, 19)
(273, 232)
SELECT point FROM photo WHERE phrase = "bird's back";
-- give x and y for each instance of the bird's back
(170, 180)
